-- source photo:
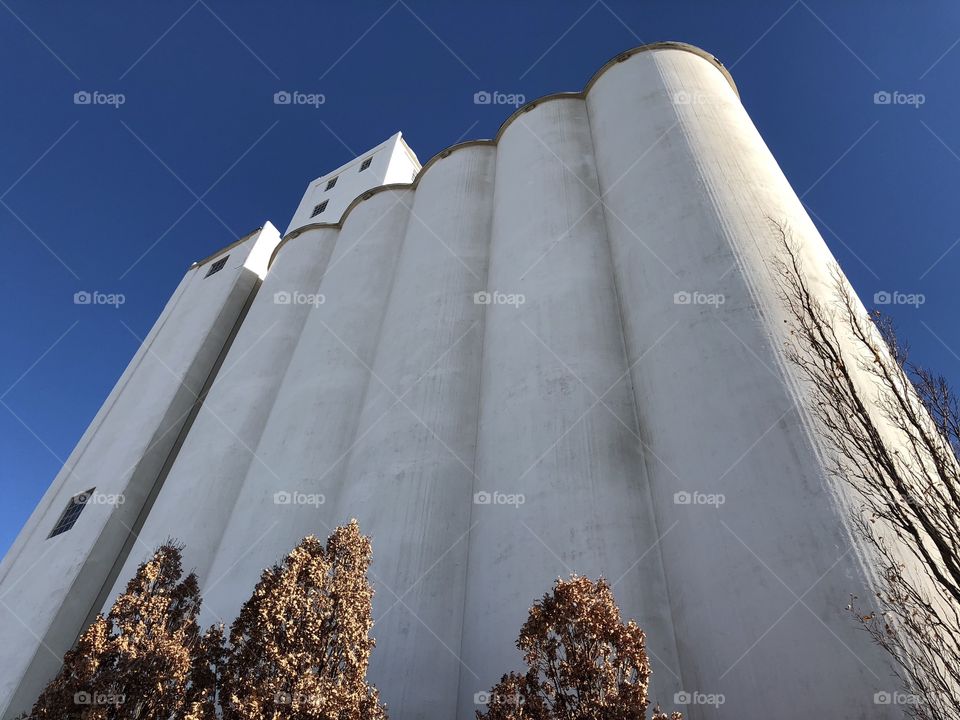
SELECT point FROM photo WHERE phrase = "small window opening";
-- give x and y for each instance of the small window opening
(217, 266)
(71, 513)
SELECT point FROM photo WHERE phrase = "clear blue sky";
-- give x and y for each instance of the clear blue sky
(123, 199)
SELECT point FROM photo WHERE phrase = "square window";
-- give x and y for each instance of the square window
(319, 208)
(71, 513)
(365, 164)
(217, 266)
(331, 183)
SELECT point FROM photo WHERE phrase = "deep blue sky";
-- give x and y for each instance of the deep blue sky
(87, 191)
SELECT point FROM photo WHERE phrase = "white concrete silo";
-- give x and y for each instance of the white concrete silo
(530, 362)
(313, 420)
(409, 475)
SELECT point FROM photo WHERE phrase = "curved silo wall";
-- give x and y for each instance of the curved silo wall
(409, 477)
(691, 193)
(312, 425)
(201, 490)
(562, 484)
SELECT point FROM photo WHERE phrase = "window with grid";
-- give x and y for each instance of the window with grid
(365, 164)
(71, 513)
(319, 208)
(217, 266)
(331, 183)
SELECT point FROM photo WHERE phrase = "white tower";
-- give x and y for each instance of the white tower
(490, 443)
(389, 163)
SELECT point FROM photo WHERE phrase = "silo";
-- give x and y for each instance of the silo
(409, 477)
(562, 485)
(761, 563)
(200, 491)
(557, 352)
(51, 581)
(313, 422)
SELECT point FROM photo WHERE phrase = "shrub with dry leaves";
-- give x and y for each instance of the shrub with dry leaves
(301, 644)
(584, 662)
(136, 662)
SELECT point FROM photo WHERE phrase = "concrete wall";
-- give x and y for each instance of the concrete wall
(554, 353)
(50, 586)
(557, 425)
(313, 422)
(200, 492)
(408, 478)
(763, 579)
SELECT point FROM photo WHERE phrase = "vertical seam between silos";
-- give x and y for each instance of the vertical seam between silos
(476, 442)
(376, 346)
(636, 401)
(273, 403)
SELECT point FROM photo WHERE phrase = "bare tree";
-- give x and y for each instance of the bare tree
(584, 662)
(892, 430)
(300, 646)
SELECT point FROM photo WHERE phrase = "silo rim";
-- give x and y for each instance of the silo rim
(447, 151)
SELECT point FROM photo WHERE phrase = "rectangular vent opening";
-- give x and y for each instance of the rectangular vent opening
(217, 266)
(69, 516)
